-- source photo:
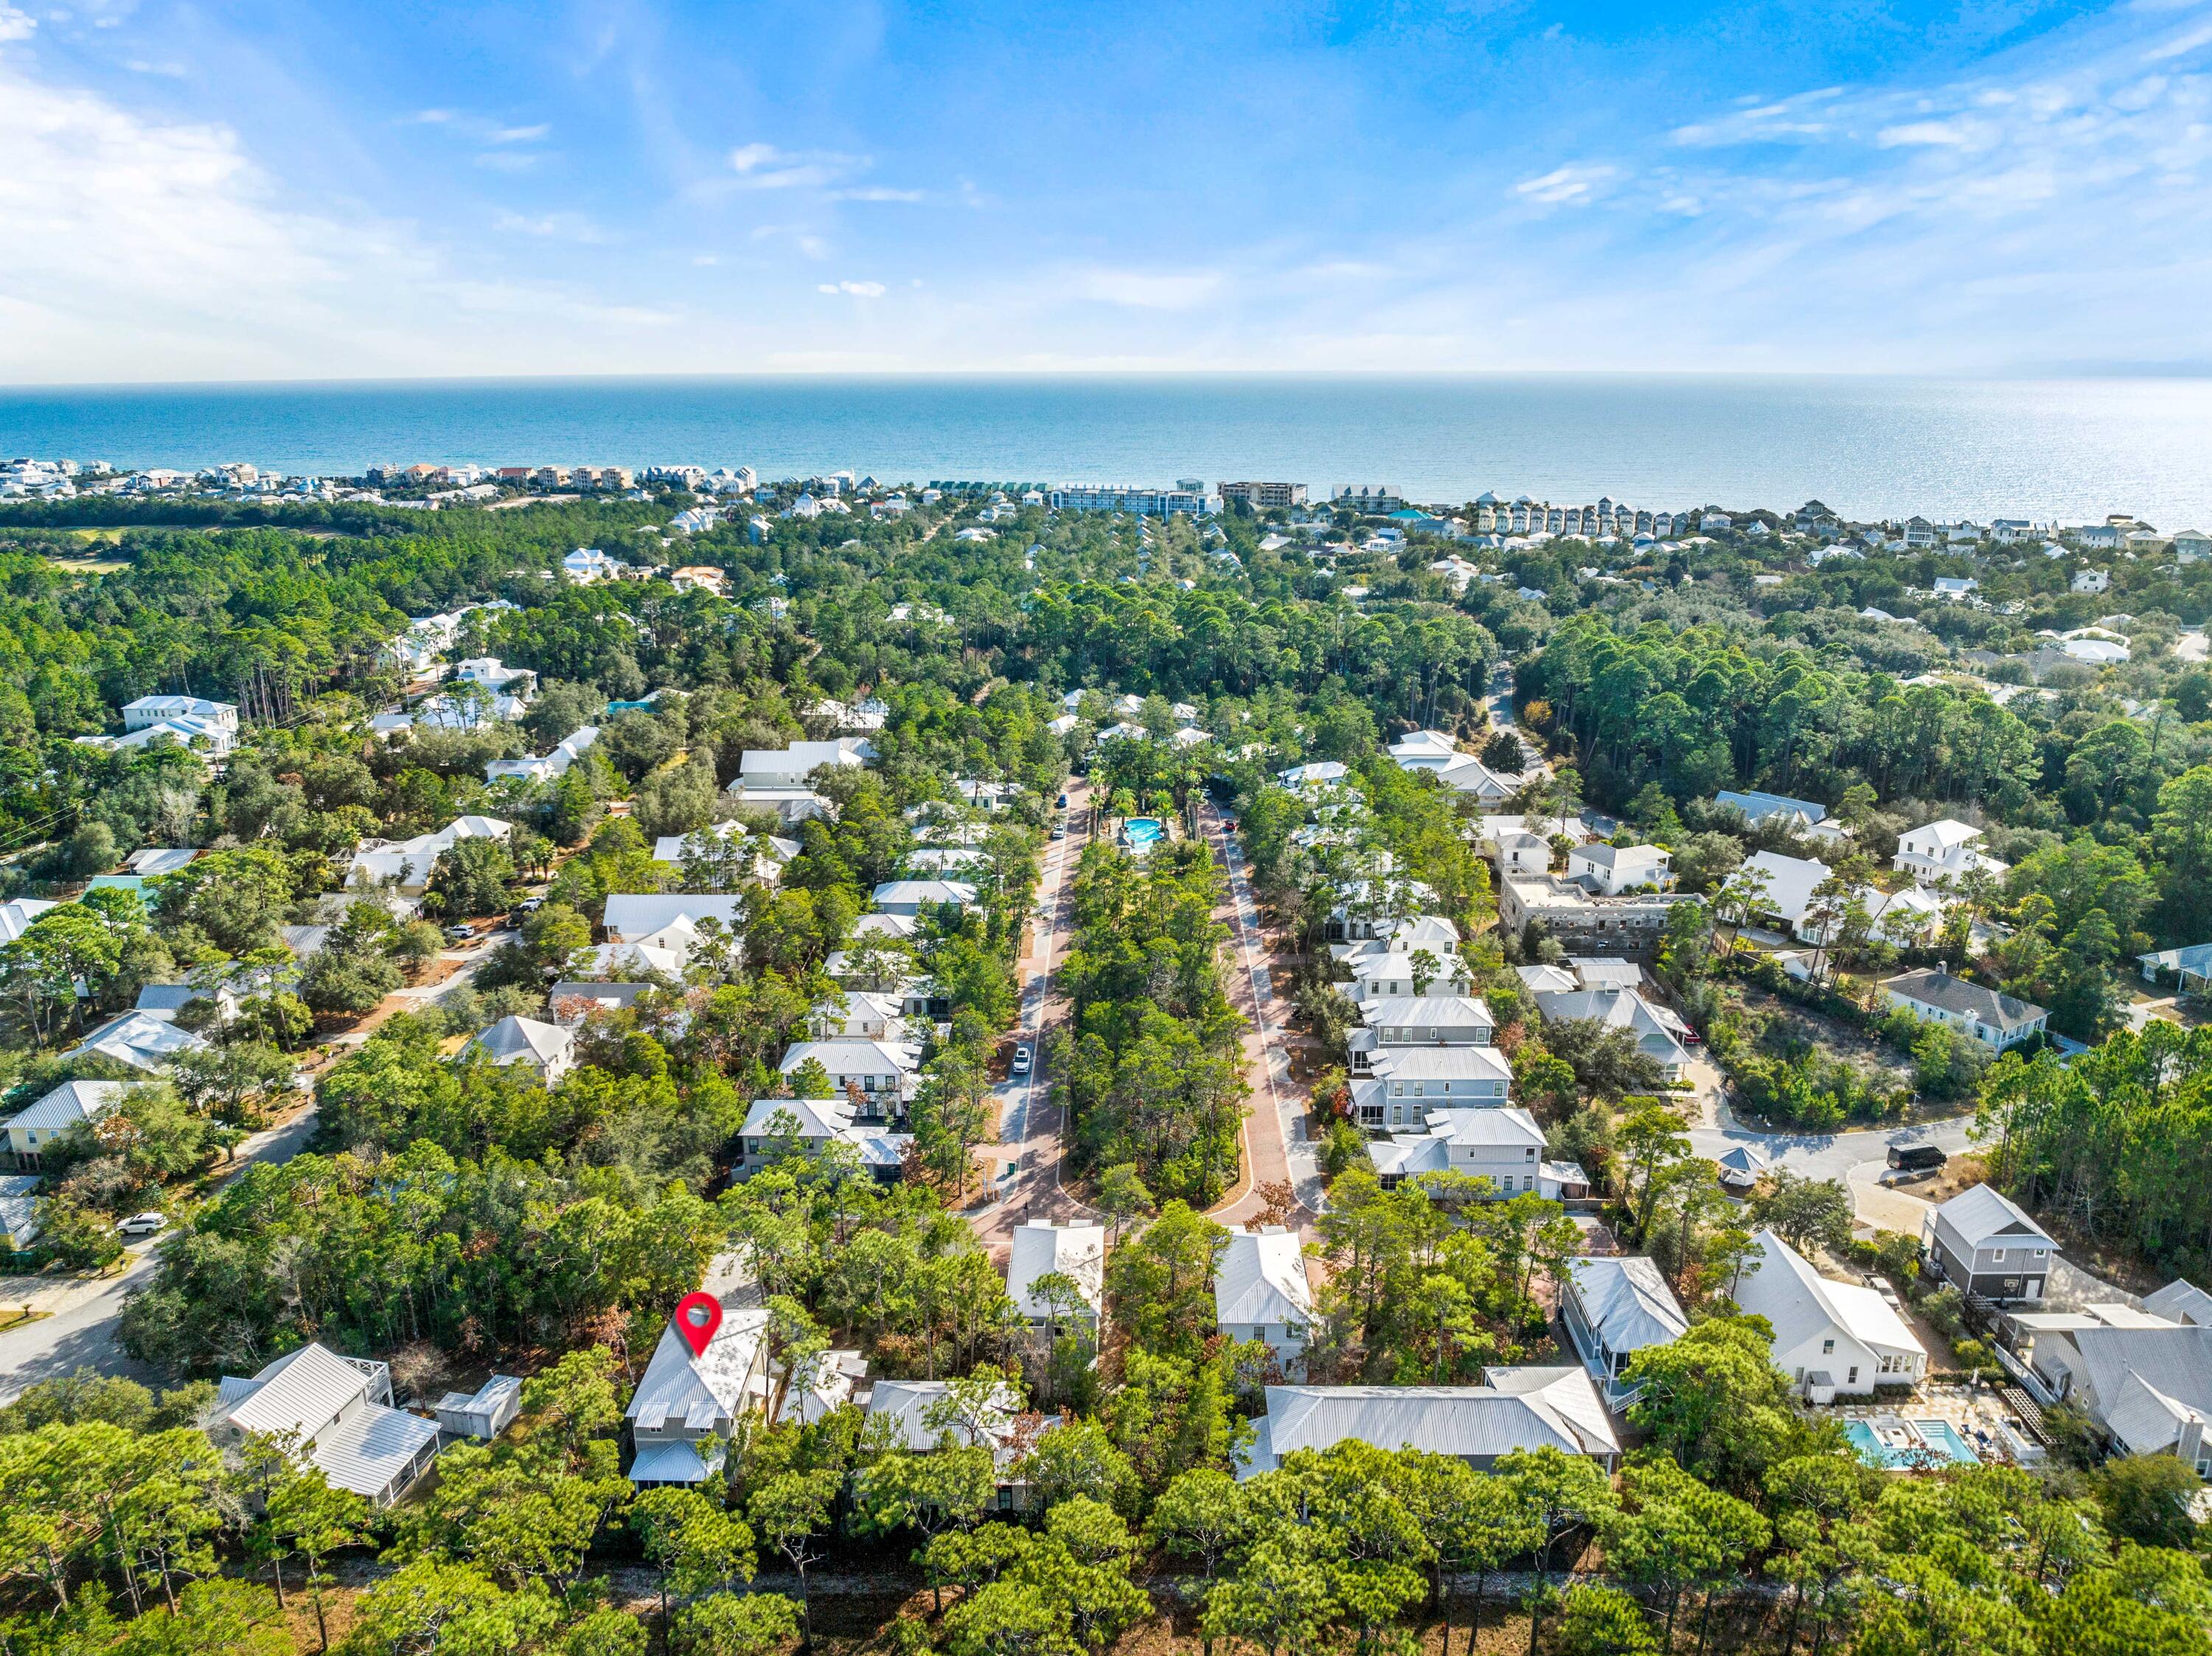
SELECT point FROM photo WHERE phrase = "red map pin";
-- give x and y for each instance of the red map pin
(697, 1317)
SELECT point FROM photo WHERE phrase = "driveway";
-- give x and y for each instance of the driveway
(1029, 1124)
(1275, 1146)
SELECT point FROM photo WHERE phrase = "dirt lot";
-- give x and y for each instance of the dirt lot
(1837, 1040)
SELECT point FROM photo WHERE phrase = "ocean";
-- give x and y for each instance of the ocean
(2074, 450)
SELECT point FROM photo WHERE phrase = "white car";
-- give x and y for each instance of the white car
(140, 1224)
(1021, 1064)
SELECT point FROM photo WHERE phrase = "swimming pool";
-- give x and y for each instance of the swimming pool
(1895, 1444)
(1139, 832)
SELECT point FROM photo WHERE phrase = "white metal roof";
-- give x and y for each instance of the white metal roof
(677, 1383)
(1627, 1301)
(1076, 1250)
(1262, 1279)
(63, 1108)
(1532, 1407)
(375, 1445)
(301, 1391)
(519, 1040)
(1983, 1214)
(1800, 1304)
(639, 914)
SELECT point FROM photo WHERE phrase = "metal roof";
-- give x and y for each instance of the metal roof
(1262, 1279)
(1532, 1407)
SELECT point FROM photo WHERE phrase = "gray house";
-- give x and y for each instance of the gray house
(1981, 1242)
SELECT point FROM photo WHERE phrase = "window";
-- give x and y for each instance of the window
(1370, 1115)
(1996, 1256)
(1827, 1348)
(1528, 1155)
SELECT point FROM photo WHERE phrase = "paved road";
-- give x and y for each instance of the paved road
(1275, 1148)
(1028, 1125)
(81, 1332)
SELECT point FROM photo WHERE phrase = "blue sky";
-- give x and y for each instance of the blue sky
(274, 190)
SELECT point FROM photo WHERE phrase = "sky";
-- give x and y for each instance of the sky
(272, 190)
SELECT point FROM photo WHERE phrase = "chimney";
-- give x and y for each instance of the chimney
(1943, 969)
(2189, 1443)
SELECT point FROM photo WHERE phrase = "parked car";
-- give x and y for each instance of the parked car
(140, 1224)
(460, 933)
(1917, 1158)
(1061, 802)
(1022, 1059)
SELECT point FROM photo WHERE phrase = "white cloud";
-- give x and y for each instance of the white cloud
(558, 226)
(1955, 134)
(142, 249)
(16, 24)
(518, 134)
(764, 166)
(875, 192)
(858, 289)
(1148, 290)
(2181, 45)
(1565, 185)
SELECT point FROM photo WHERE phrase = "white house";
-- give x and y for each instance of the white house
(26, 1135)
(814, 1124)
(587, 564)
(1076, 1250)
(2091, 580)
(17, 914)
(1994, 1019)
(1466, 774)
(191, 720)
(911, 896)
(885, 1072)
(548, 1048)
(1400, 1086)
(1382, 971)
(1260, 1291)
(685, 1399)
(139, 1040)
(407, 863)
(1805, 817)
(788, 768)
(1518, 1409)
(1308, 779)
(1659, 1033)
(1523, 844)
(1424, 750)
(1614, 1306)
(490, 673)
(1503, 1145)
(1833, 1340)
(339, 1412)
(546, 768)
(1946, 849)
(1790, 881)
(636, 916)
(1612, 870)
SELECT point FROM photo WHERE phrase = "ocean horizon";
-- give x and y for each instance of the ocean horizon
(1874, 446)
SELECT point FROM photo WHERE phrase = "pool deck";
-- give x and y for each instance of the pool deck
(1977, 1415)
